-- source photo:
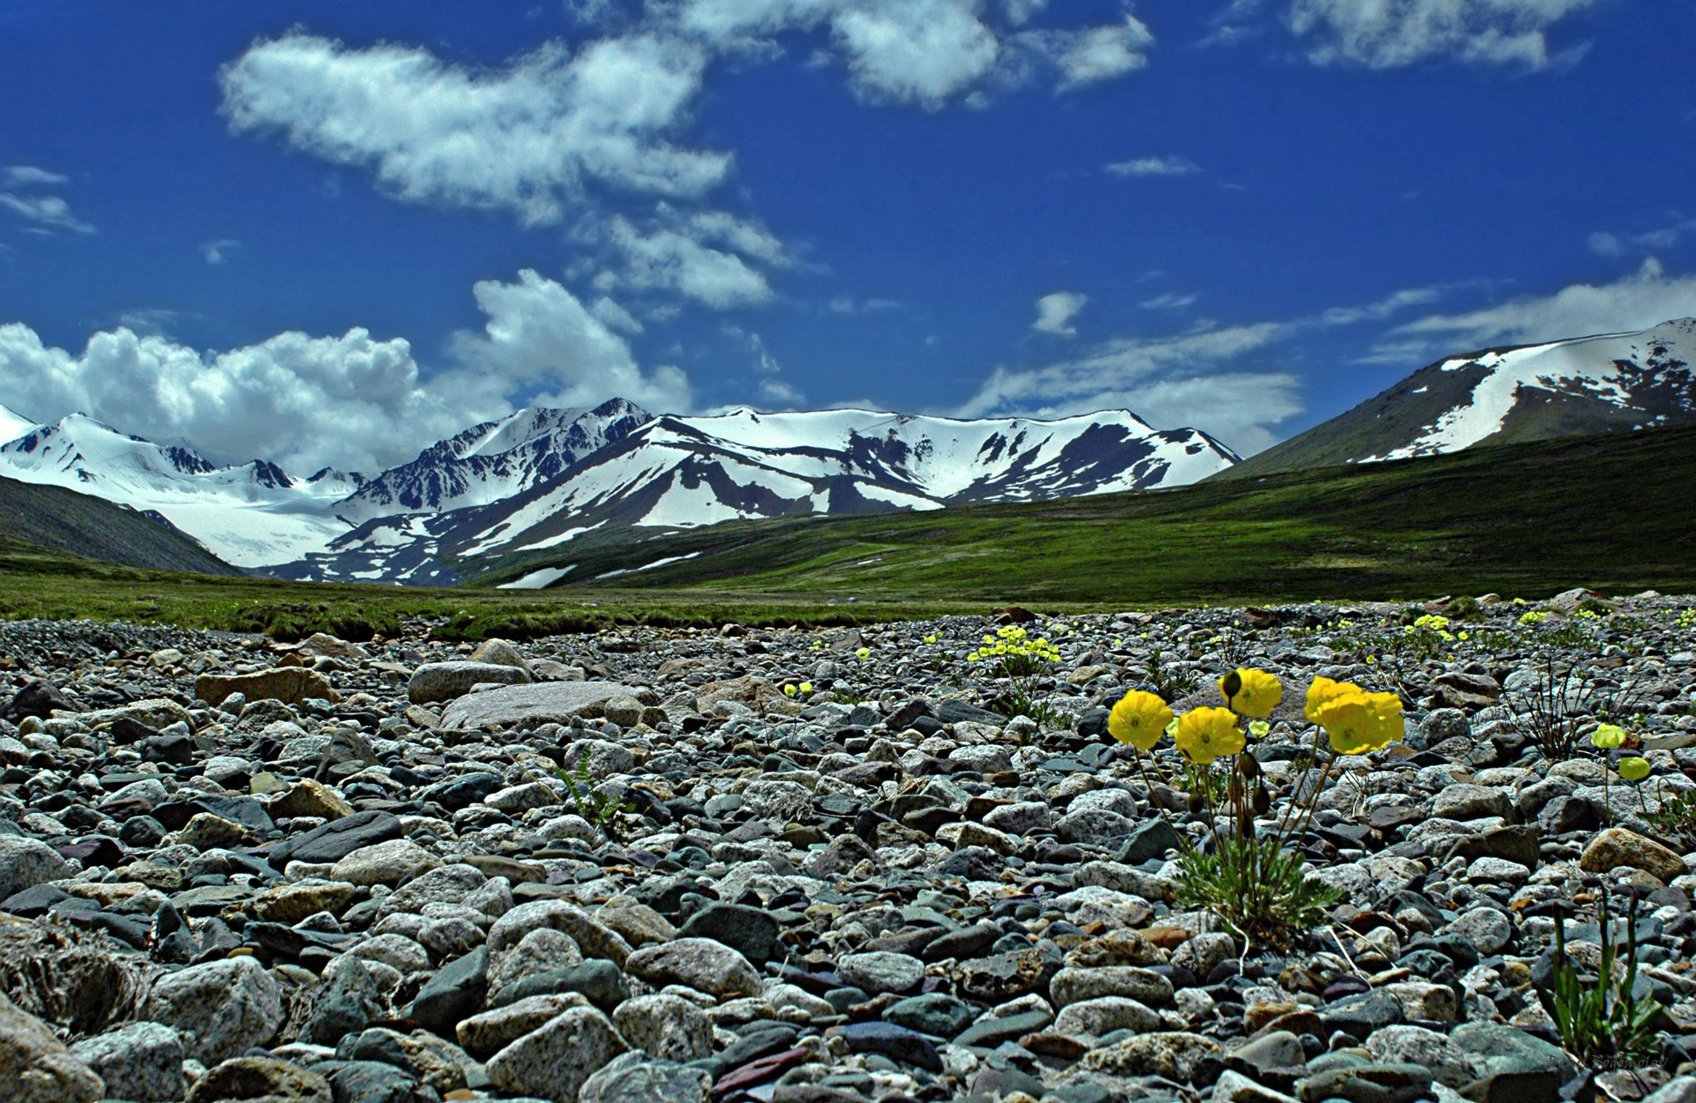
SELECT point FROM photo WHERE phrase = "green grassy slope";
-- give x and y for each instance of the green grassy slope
(1525, 518)
(53, 517)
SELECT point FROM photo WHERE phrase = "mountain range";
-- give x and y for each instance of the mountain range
(543, 477)
(527, 486)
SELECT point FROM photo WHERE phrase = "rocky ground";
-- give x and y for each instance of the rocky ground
(807, 866)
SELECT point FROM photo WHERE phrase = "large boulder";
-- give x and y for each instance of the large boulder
(292, 684)
(446, 681)
(36, 1067)
(531, 705)
(225, 1007)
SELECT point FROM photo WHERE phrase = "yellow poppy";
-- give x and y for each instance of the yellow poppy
(1206, 733)
(1140, 719)
(1252, 693)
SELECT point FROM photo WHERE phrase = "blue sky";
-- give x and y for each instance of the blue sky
(332, 233)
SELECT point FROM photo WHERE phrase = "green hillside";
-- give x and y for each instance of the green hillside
(53, 517)
(1524, 518)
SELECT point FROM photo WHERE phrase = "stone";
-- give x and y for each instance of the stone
(36, 1067)
(1103, 1015)
(392, 862)
(25, 863)
(750, 931)
(1464, 801)
(221, 1007)
(1174, 1055)
(1488, 1049)
(936, 1013)
(700, 963)
(556, 1060)
(290, 684)
(634, 1078)
(262, 1079)
(530, 705)
(500, 653)
(449, 681)
(1369, 1082)
(881, 971)
(454, 994)
(310, 798)
(346, 1001)
(488, 1033)
(665, 1026)
(336, 839)
(893, 1041)
(141, 1062)
(1618, 846)
(1075, 985)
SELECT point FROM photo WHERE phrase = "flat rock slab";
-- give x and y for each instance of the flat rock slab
(541, 703)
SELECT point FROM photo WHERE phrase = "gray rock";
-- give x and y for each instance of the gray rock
(749, 931)
(142, 1062)
(1464, 801)
(531, 705)
(881, 971)
(448, 681)
(263, 1080)
(36, 1067)
(665, 1026)
(486, 1034)
(27, 862)
(1093, 1018)
(556, 1060)
(1487, 1049)
(1075, 985)
(634, 1078)
(222, 1007)
(1368, 1082)
(699, 963)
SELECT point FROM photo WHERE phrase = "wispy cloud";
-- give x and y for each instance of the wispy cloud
(1170, 165)
(220, 251)
(1381, 35)
(29, 176)
(45, 214)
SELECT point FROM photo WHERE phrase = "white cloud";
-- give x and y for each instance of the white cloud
(1642, 299)
(1094, 54)
(1391, 304)
(1171, 382)
(666, 259)
(1056, 311)
(305, 402)
(918, 51)
(532, 138)
(28, 176)
(847, 304)
(1389, 34)
(540, 335)
(1171, 300)
(353, 402)
(1154, 166)
(45, 213)
(1659, 239)
(219, 251)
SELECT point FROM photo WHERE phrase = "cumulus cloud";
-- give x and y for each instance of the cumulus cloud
(306, 402)
(540, 335)
(46, 214)
(533, 138)
(1154, 166)
(919, 51)
(1055, 313)
(1095, 54)
(1642, 299)
(671, 259)
(1390, 34)
(354, 401)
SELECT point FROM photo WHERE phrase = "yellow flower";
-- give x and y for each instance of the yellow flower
(1323, 690)
(1259, 729)
(863, 653)
(806, 688)
(1358, 722)
(1607, 737)
(1253, 693)
(1634, 769)
(1206, 733)
(1140, 718)
(790, 690)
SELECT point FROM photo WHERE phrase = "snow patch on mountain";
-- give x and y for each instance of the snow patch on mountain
(13, 425)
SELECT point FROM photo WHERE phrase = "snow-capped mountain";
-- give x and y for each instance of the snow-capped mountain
(250, 515)
(492, 461)
(682, 472)
(1580, 386)
(13, 425)
(543, 477)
